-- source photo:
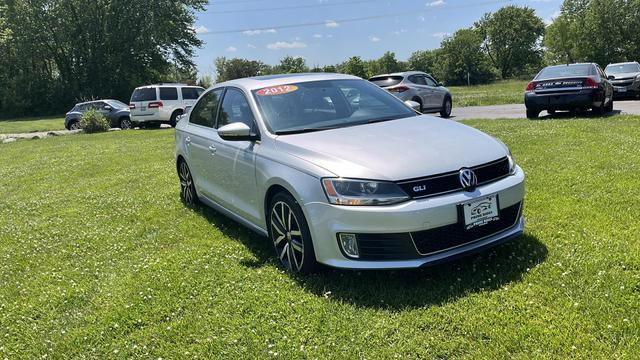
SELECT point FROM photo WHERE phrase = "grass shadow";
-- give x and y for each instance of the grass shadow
(488, 270)
(567, 115)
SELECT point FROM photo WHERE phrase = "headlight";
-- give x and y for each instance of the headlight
(512, 163)
(638, 78)
(362, 192)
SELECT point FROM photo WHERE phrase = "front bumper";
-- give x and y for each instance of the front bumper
(590, 98)
(416, 216)
(624, 89)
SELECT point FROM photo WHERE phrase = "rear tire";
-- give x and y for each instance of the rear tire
(446, 108)
(609, 107)
(188, 193)
(174, 118)
(75, 125)
(290, 235)
(533, 113)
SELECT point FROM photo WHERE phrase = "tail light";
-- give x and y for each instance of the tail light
(531, 87)
(589, 83)
(398, 89)
(132, 106)
(155, 105)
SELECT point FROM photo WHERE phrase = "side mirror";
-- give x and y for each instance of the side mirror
(237, 132)
(108, 108)
(413, 105)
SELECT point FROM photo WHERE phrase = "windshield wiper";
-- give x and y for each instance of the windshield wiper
(305, 130)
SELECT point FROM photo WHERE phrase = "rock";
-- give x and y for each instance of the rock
(8, 140)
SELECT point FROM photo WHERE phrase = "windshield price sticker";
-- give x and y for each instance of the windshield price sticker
(277, 90)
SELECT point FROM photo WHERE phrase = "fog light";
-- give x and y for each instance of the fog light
(349, 243)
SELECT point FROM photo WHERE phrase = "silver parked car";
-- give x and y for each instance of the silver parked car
(625, 78)
(334, 170)
(420, 87)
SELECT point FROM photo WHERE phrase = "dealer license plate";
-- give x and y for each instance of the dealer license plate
(621, 89)
(481, 212)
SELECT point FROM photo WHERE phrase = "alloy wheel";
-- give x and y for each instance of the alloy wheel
(125, 124)
(75, 126)
(187, 190)
(287, 237)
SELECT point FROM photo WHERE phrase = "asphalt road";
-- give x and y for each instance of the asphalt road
(518, 111)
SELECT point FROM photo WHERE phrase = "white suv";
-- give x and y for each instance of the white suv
(157, 104)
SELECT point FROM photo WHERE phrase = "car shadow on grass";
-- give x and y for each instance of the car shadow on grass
(572, 115)
(485, 271)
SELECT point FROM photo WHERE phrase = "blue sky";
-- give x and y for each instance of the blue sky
(258, 29)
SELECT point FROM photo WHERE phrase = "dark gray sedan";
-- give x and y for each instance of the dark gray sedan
(115, 111)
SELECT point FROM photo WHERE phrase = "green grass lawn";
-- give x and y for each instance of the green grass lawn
(498, 93)
(28, 125)
(100, 259)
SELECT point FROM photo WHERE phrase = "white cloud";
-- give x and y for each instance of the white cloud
(401, 31)
(251, 46)
(231, 49)
(286, 45)
(374, 39)
(317, 36)
(436, 3)
(553, 16)
(259, 32)
(331, 24)
(441, 35)
(201, 30)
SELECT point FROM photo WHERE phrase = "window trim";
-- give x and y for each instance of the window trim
(255, 126)
(215, 120)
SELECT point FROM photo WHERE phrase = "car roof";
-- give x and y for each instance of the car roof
(623, 63)
(403, 73)
(95, 101)
(259, 82)
(576, 64)
(169, 85)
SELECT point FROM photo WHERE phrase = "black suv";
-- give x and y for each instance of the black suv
(115, 111)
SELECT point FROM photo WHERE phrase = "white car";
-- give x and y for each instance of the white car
(366, 184)
(161, 104)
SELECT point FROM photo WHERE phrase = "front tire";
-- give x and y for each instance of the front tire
(125, 123)
(188, 193)
(290, 235)
(446, 108)
(75, 126)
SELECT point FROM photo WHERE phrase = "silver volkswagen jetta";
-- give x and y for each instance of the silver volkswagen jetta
(334, 170)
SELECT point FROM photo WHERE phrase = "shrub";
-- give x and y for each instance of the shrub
(94, 122)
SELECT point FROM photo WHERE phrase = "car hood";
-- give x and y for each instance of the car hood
(395, 150)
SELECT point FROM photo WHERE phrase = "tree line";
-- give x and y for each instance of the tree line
(58, 52)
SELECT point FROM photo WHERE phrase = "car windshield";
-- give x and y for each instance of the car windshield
(622, 69)
(327, 104)
(385, 81)
(566, 71)
(117, 104)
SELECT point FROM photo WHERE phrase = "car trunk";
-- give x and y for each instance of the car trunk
(562, 85)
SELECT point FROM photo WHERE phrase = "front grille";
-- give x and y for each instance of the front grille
(447, 237)
(623, 83)
(409, 246)
(450, 182)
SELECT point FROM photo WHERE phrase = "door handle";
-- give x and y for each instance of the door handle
(212, 149)
(187, 141)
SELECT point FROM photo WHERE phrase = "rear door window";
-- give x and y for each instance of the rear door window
(191, 93)
(235, 108)
(146, 94)
(205, 111)
(168, 93)
(384, 81)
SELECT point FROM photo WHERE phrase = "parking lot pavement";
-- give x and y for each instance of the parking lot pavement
(518, 111)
